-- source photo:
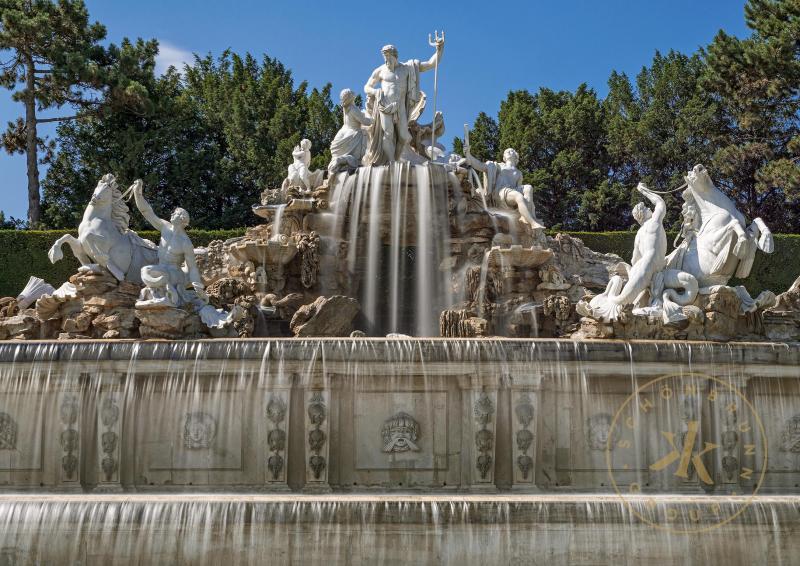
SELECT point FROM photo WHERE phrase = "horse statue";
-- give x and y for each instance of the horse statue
(105, 239)
(723, 246)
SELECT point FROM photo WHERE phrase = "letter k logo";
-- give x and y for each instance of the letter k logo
(685, 455)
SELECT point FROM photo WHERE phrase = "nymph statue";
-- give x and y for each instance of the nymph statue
(394, 98)
(350, 143)
(175, 281)
(299, 173)
(502, 185)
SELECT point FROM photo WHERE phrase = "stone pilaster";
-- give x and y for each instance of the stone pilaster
(69, 437)
(277, 416)
(317, 441)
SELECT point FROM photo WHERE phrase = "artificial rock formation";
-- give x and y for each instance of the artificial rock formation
(331, 316)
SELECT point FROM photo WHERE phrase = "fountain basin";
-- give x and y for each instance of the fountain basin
(275, 251)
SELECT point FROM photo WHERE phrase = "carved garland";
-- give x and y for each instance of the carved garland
(69, 439)
(524, 437)
(109, 415)
(317, 413)
(484, 438)
(276, 438)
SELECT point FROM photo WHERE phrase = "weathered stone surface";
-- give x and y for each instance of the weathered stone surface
(8, 307)
(462, 323)
(224, 292)
(168, 323)
(92, 283)
(23, 326)
(120, 320)
(77, 324)
(327, 316)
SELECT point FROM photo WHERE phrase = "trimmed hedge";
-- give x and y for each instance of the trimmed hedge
(24, 253)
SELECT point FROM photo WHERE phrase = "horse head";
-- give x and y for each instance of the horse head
(708, 198)
(103, 195)
(699, 180)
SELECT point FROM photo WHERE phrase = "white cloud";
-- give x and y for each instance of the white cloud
(171, 56)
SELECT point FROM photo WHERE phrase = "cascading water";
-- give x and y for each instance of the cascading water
(276, 223)
(395, 222)
(401, 430)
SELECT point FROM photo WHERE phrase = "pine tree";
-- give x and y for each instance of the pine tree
(756, 82)
(56, 61)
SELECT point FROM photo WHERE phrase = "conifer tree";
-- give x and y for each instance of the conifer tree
(51, 57)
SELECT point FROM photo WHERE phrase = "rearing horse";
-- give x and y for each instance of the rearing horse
(724, 245)
(104, 237)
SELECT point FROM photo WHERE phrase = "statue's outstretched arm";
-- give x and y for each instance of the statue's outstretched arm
(145, 208)
(660, 210)
(437, 57)
(360, 117)
(431, 63)
(475, 163)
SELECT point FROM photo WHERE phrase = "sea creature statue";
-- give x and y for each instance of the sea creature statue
(350, 143)
(669, 289)
(502, 185)
(393, 99)
(175, 280)
(104, 239)
(299, 173)
(723, 246)
(717, 244)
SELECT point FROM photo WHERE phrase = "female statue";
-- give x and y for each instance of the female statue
(350, 143)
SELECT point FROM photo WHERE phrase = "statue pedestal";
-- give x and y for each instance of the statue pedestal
(168, 323)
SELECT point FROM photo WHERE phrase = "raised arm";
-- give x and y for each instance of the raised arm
(472, 161)
(660, 207)
(359, 116)
(145, 208)
(436, 58)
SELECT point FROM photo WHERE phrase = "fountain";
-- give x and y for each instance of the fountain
(401, 365)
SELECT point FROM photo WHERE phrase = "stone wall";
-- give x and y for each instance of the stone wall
(427, 415)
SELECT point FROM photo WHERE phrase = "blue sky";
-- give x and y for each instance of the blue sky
(492, 47)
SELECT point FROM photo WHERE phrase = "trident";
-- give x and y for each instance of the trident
(433, 43)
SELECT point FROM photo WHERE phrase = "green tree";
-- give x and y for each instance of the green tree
(655, 132)
(56, 60)
(484, 139)
(560, 138)
(756, 82)
(213, 139)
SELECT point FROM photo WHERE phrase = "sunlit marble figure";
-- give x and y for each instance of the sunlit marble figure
(175, 281)
(393, 99)
(350, 143)
(502, 185)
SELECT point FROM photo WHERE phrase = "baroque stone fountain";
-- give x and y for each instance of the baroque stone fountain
(401, 364)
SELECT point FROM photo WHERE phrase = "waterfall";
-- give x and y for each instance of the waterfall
(276, 223)
(396, 225)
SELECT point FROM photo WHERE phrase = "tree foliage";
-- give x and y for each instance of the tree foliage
(51, 57)
(733, 106)
(215, 137)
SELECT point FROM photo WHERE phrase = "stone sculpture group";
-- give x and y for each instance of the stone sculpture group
(295, 276)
